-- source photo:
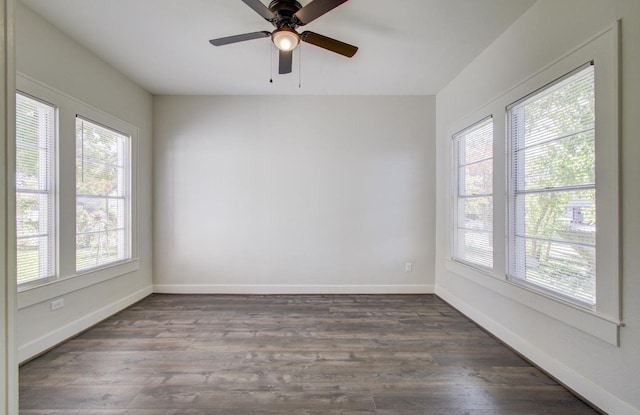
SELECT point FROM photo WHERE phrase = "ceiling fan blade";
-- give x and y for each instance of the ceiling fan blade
(327, 43)
(286, 61)
(261, 9)
(238, 38)
(315, 9)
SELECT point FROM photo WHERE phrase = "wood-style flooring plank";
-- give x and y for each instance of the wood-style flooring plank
(286, 354)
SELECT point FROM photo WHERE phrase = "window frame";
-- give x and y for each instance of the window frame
(603, 321)
(457, 196)
(126, 196)
(515, 247)
(68, 280)
(52, 237)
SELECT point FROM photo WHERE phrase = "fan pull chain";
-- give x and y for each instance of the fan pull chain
(271, 63)
(300, 66)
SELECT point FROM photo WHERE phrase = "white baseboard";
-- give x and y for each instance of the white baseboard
(581, 385)
(291, 289)
(49, 340)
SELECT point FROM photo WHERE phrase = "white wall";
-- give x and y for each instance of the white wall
(293, 194)
(607, 375)
(48, 56)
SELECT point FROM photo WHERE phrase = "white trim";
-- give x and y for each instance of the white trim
(603, 322)
(601, 51)
(457, 247)
(291, 289)
(581, 385)
(584, 78)
(56, 288)
(8, 298)
(59, 335)
(68, 279)
(124, 192)
(59, 98)
(588, 321)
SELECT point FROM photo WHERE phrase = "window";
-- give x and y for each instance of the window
(552, 198)
(35, 178)
(103, 229)
(556, 228)
(71, 233)
(473, 217)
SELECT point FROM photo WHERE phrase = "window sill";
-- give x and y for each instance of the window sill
(591, 322)
(29, 296)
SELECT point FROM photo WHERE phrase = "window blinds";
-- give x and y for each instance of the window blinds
(102, 195)
(35, 178)
(552, 191)
(473, 217)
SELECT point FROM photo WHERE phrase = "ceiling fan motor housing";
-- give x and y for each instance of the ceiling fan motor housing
(284, 11)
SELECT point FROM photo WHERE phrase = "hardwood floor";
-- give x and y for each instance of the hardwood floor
(311, 354)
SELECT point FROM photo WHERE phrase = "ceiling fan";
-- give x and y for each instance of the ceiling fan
(287, 16)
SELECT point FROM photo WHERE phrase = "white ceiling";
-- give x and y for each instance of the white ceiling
(407, 47)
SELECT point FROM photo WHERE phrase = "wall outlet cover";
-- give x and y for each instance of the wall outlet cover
(57, 304)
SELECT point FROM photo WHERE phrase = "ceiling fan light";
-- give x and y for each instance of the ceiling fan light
(285, 39)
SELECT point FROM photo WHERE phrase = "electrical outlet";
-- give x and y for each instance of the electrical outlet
(57, 304)
(408, 267)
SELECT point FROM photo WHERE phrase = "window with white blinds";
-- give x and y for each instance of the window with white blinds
(552, 193)
(35, 196)
(473, 208)
(103, 230)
